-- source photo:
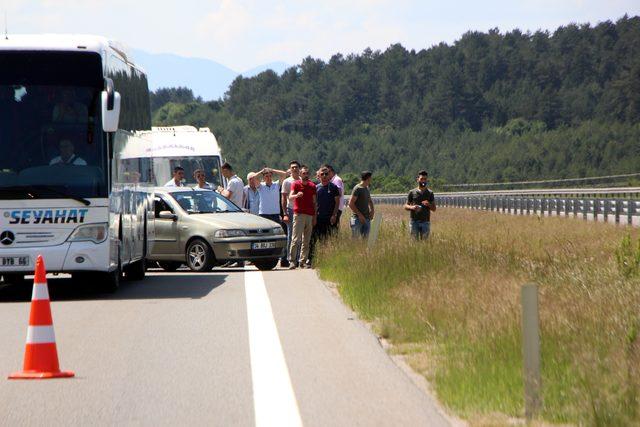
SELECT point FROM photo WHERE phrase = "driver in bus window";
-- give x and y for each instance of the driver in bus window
(69, 110)
(67, 155)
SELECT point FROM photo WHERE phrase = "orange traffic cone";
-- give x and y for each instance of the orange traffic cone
(41, 355)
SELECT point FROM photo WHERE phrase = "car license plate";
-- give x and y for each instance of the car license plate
(263, 245)
(14, 261)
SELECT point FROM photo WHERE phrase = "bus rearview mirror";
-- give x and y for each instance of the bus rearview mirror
(110, 110)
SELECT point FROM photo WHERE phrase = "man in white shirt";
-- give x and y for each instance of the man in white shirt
(178, 177)
(235, 186)
(251, 196)
(201, 183)
(67, 155)
(270, 194)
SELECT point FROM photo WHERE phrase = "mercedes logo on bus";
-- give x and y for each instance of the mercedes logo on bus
(7, 237)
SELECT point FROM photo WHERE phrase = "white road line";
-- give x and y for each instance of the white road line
(273, 398)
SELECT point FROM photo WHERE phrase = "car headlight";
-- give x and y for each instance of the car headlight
(229, 233)
(95, 233)
(278, 231)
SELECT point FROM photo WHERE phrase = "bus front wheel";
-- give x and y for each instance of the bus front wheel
(110, 281)
(136, 270)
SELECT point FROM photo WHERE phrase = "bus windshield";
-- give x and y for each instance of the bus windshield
(51, 139)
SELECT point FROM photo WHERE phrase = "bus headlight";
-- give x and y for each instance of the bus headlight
(95, 233)
(229, 233)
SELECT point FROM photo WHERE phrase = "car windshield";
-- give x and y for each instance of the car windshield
(51, 143)
(205, 201)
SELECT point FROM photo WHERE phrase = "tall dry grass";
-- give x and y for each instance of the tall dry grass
(452, 305)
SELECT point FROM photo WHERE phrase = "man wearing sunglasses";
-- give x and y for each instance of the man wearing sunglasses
(328, 202)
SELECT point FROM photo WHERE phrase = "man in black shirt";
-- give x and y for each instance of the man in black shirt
(328, 197)
(328, 201)
(420, 204)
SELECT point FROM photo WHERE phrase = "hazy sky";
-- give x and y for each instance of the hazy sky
(244, 33)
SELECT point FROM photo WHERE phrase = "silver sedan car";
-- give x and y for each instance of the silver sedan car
(202, 229)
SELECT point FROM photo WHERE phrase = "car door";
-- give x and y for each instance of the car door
(167, 233)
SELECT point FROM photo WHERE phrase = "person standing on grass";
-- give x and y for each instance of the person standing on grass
(420, 204)
(337, 181)
(251, 197)
(287, 205)
(235, 186)
(303, 195)
(361, 205)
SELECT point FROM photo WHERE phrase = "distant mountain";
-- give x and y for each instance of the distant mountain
(207, 78)
(279, 67)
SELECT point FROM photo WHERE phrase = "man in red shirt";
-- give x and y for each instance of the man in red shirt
(303, 195)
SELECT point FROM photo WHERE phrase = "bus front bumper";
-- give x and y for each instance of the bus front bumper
(65, 258)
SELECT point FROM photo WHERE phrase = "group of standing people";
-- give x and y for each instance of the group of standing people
(309, 211)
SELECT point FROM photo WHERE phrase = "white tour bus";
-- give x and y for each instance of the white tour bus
(69, 105)
(185, 146)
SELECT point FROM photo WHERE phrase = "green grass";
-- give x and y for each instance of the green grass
(452, 305)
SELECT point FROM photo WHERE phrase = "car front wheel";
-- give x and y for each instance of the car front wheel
(199, 256)
(267, 264)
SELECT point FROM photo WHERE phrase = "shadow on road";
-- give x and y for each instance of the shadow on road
(181, 284)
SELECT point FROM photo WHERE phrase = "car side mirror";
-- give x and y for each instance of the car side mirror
(167, 215)
(110, 102)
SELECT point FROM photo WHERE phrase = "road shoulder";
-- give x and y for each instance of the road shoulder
(398, 359)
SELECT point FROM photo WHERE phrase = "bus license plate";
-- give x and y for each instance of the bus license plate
(14, 261)
(263, 245)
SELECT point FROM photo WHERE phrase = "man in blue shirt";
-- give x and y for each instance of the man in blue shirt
(270, 198)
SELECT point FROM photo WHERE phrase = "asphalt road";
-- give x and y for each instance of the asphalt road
(231, 347)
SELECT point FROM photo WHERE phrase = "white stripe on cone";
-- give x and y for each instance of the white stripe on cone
(40, 292)
(40, 335)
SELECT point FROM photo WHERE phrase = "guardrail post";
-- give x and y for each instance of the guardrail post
(625, 217)
(531, 350)
(635, 213)
(591, 209)
(616, 210)
(599, 214)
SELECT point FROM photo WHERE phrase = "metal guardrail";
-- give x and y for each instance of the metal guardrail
(613, 205)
